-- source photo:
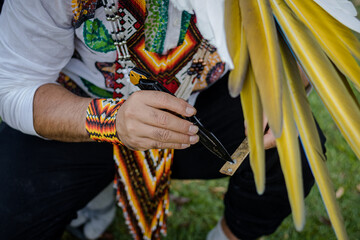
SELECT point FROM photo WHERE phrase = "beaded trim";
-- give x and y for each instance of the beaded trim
(195, 70)
(115, 15)
(101, 120)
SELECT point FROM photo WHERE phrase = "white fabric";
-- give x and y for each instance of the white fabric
(210, 22)
(173, 28)
(217, 233)
(31, 54)
(343, 11)
(98, 214)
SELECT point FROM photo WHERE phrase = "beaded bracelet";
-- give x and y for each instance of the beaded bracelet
(100, 120)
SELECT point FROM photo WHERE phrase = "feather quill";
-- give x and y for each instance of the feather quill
(311, 141)
(265, 57)
(322, 25)
(237, 46)
(253, 113)
(324, 78)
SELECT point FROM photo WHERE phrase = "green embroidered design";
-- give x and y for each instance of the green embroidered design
(185, 22)
(96, 90)
(97, 37)
(156, 25)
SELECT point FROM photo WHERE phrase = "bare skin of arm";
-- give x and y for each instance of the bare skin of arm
(143, 121)
(59, 114)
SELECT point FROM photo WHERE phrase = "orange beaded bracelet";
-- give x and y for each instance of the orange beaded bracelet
(101, 120)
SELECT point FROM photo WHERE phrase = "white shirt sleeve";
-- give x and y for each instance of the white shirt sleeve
(36, 42)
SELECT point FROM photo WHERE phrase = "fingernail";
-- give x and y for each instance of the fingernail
(194, 139)
(190, 110)
(185, 145)
(193, 129)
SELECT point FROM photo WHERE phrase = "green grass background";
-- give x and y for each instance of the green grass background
(192, 220)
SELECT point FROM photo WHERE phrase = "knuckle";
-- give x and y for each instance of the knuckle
(162, 98)
(161, 119)
(162, 135)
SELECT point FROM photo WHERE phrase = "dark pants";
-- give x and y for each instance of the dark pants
(43, 183)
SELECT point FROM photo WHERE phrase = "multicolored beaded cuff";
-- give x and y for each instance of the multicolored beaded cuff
(101, 118)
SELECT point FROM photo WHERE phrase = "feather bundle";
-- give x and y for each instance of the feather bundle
(316, 36)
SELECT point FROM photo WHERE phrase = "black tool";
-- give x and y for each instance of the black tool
(142, 79)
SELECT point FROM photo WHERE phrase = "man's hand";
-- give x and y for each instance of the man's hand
(269, 138)
(148, 120)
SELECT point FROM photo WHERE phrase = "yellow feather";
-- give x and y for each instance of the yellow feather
(311, 141)
(253, 114)
(265, 57)
(349, 39)
(290, 160)
(237, 46)
(323, 26)
(327, 83)
(347, 85)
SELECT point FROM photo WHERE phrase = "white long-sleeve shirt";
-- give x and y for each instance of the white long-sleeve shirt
(36, 42)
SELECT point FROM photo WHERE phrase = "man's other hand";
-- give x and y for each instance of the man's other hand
(269, 138)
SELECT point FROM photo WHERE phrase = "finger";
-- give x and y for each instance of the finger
(167, 136)
(168, 102)
(143, 144)
(269, 140)
(162, 119)
(162, 145)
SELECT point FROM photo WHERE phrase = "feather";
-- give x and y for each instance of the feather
(348, 38)
(290, 160)
(342, 10)
(237, 46)
(311, 141)
(265, 57)
(253, 113)
(324, 78)
(322, 25)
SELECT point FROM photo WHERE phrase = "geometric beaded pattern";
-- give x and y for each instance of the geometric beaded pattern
(101, 120)
(143, 190)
